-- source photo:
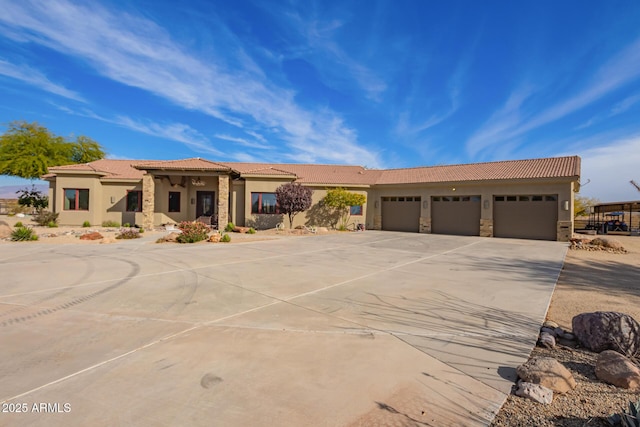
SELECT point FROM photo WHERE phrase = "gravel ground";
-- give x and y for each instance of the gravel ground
(590, 281)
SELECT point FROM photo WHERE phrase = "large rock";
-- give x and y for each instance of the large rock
(5, 230)
(547, 372)
(535, 392)
(614, 368)
(607, 330)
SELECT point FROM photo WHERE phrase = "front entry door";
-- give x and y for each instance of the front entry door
(204, 203)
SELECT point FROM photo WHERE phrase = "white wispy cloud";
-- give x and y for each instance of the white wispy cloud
(244, 142)
(137, 52)
(178, 132)
(33, 77)
(516, 119)
(319, 45)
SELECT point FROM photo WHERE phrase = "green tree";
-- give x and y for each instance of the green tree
(32, 198)
(341, 200)
(27, 150)
(582, 204)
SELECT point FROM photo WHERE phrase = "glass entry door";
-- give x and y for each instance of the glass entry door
(204, 203)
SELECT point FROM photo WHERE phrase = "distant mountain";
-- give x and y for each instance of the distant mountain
(9, 191)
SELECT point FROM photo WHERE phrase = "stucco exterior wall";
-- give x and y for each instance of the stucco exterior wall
(79, 182)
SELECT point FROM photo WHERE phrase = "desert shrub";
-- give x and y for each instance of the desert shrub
(110, 224)
(229, 227)
(251, 231)
(126, 225)
(43, 217)
(225, 238)
(18, 224)
(86, 224)
(52, 224)
(141, 230)
(21, 234)
(192, 232)
(128, 233)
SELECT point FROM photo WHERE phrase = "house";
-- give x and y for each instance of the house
(531, 199)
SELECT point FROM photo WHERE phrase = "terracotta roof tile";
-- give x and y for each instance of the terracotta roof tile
(195, 163)
(512, 169)
(344, 175)
(109, 168)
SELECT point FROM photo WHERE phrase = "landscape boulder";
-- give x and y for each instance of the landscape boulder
(547, 340)
(214, 238)
(547, 372)
(535, 392)
(242, 230)
(5, 230)
(608, 330)
(616, 369)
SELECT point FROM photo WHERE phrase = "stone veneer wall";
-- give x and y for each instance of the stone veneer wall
(148, 201)
(565, 230)
(486, 228)
(377, 222)
(425, 225)
(223, 201)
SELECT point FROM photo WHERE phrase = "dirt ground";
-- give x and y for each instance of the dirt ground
(589, 281)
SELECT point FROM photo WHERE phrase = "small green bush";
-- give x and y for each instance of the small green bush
(18, 224)
(21, 234)
(126, 225)
(43, 217)
(128, 233)
(110, 224)
(192, 232)
(141, 230)
(251, 231)
(86, 224)
(229, 227)
(225, 238)
(52, 224)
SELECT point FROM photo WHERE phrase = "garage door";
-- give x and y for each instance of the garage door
(401, 213)
(526, 216)
(459, 215)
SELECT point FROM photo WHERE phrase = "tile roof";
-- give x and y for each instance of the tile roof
(108, 168)
(312, 174)
(195, 163)
(558, 167)
(512, 169)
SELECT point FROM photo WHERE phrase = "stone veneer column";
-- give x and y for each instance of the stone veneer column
(425, 225)
(486, 228)
(565, 231)
(377, 221)
(223, 201)
(148, 201)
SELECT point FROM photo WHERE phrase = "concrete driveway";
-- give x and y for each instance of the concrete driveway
(354, 329)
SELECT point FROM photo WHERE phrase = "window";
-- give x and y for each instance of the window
(551, 198)
(76, 199)
(263, 203)
(134, 201)
(512, 198)
(355, 210)
(536, 198)
(174, 201)
(524, 198)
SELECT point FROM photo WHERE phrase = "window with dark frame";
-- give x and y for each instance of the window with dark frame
(76, 199)
(174, 201)
(264, 203)
(355, 210)
(134, 201)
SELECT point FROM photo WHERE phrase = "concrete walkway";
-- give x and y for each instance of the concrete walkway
(354, 329)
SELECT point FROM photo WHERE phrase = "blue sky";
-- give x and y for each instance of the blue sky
(375, 83)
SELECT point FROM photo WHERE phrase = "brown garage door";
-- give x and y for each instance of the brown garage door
(401, 213)
(459, 215)
(526, 216)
